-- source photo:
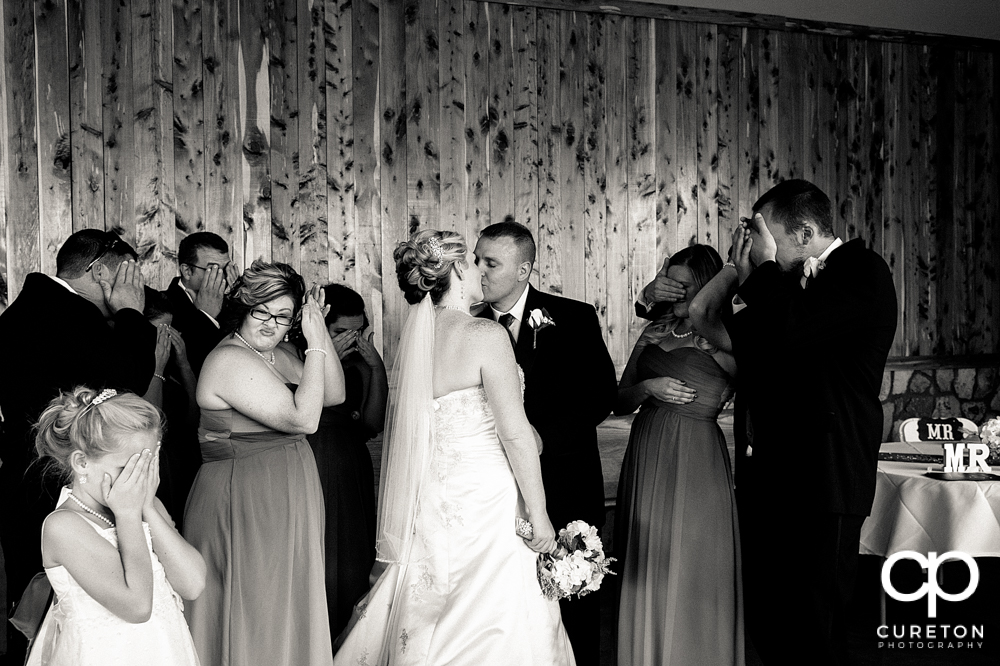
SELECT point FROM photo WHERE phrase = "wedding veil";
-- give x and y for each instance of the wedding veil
(409, 435)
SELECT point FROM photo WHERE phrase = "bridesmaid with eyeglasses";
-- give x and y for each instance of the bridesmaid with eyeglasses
(256, 509)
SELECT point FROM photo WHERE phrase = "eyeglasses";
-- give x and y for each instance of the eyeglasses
(109, 244)
(205, 268)
(264, 315)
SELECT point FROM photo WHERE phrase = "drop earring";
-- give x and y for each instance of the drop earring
(83, 478)
(286, 337)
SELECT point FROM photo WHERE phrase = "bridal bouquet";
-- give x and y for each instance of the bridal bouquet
(577, 566)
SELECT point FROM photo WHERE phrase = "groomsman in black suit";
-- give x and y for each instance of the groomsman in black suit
(570, 388)
(84, 326)
(196, 296)
(811, 345)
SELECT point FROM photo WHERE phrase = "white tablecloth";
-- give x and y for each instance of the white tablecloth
(915, 512)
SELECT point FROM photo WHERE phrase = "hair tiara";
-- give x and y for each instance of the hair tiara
(104, 395)
(436, 251)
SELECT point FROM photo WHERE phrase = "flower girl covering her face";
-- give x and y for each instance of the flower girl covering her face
(116, 564)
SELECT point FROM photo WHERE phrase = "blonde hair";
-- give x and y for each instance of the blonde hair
(424, 263)
(72, 422)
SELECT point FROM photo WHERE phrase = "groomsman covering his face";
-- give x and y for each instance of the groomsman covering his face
(196, 296)
(570, 388)
(811, 345)
(83, 326)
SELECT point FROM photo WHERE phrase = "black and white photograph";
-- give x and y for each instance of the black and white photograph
(506, 333)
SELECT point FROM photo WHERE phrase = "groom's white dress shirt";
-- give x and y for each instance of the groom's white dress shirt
(517, 312)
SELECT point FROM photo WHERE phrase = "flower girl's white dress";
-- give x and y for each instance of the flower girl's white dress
(470, 594)
(79, 631)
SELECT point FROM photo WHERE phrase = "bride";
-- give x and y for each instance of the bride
(460, 586)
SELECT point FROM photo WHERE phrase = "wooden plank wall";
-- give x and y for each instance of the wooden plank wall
(322, 132)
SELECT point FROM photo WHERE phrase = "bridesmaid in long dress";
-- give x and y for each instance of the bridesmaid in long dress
(676, 531)
(342, 456)
(256, 509)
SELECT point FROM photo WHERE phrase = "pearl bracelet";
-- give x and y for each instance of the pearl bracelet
(729, 263)
(160, 377)
(321, 351)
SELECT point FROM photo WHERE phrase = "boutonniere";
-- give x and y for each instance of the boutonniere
(538, 319)
(812, 267)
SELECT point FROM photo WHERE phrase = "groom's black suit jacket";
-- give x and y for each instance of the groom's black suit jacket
(54, 340)
(811, 362)
(570, 388)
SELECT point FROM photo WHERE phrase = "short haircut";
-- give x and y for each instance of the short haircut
(86, 245)
(259, 284)
(157, 304)
(795, 201)
(187, 251)
(517, 233)
(344, 302)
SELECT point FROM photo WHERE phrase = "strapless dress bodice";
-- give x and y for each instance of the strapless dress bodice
(226, 433)
(697, 369)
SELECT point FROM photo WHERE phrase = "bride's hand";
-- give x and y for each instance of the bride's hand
(543, 539)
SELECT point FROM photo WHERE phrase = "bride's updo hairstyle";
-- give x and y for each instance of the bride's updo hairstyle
(423, 263)
(91, 422)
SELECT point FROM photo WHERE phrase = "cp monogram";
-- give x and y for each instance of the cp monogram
(930, 589)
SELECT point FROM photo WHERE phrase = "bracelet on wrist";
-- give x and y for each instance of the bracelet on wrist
(312, 349)
(159, 376)
(729, 263)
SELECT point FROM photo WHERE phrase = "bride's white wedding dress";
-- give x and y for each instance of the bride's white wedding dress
(469, 593)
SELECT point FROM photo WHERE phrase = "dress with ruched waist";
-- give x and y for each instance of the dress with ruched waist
(225, 434)
(697, 369)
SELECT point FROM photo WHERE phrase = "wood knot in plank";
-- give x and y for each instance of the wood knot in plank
(63, 158)
(255, 148)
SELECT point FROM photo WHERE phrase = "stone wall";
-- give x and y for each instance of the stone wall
(938, 388)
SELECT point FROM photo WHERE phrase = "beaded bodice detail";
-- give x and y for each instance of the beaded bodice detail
(464, 426)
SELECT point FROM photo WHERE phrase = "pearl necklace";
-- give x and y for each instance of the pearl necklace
(682, 335)
(254, 349)
(453, 307)
(88, 509)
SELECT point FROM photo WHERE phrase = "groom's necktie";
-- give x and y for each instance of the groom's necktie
(507, 320)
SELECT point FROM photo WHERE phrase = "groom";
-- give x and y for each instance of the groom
(570, 388)
(811, 344)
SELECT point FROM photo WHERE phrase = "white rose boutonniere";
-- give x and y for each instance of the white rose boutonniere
(812, 266)
(538, 319)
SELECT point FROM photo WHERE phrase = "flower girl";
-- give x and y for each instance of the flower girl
(110, 549)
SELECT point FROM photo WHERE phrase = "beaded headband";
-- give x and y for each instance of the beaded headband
(435, 244)
(104, 395)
